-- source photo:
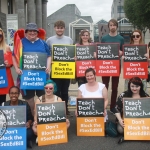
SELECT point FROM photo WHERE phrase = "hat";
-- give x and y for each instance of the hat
(31, 26)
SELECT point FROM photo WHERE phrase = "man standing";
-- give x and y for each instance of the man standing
(113, 37)
(60, 38)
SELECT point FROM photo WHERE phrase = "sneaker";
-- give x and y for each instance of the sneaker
(37, 140)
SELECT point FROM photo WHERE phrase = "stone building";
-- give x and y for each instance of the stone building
(74, 22)
(27, 11)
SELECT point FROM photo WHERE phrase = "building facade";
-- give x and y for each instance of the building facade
(74, 22)
(125, 27)
(27, 11)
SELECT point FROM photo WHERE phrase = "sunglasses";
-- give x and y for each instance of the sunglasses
(1, 35)
(135, 36)
(48, 87)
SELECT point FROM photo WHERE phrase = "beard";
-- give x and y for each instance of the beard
(113, 30)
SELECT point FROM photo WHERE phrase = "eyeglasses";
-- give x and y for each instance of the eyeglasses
(135, 36)
(13, 93)
(50, 88)
(84, 35)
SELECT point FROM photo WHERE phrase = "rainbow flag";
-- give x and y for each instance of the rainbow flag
(18, 50)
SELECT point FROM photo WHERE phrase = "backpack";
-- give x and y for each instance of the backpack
(111, 129)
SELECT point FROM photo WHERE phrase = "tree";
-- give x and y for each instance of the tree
(138, 13)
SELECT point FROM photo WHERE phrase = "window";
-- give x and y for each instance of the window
(120, 9)
(10, 6)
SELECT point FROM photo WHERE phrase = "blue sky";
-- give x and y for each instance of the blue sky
(98, 9)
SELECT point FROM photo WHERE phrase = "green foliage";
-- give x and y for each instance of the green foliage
(138, 13)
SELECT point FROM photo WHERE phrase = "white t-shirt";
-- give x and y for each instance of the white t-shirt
(97, 93)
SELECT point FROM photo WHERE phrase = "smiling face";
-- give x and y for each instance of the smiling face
(14, 94)
(32, 35)
(90, 77)
(135, 88)
(59, 30)
(49, 89)
(85, 37)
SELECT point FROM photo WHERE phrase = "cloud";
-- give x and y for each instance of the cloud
(97, 9)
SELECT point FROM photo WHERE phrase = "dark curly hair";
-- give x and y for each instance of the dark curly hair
(135, 81)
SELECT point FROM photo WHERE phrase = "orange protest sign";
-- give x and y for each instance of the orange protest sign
(53, 133)
(90, 126)
(90, 120)
(136, 118)
(137, 129)
(51, 120)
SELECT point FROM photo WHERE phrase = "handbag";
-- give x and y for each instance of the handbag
(111, 129)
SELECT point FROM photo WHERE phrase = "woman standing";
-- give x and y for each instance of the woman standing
(8, 63)
(84, 39)
(93, 89)
(137, 39)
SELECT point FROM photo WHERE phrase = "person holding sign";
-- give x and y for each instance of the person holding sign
(14, 92)
(31, 43)
(136, 39)
(8, 64)
(49, 97)
(93, 89)
(113, 37)
(135, 90)
(60, 38)
(84, 39)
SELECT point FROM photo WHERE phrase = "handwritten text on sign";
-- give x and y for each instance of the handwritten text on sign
(34, 75)
(90, 120)
(51, 112)
(136, 119)
(135, 63)
(34, 61)
(63, 53)
(85, 59)
(108, 63)
(90, 107)
(14, 115)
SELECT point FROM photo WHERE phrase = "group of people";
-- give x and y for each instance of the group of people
(57, 89)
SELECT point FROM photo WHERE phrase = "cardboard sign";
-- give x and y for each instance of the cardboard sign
(63, 65)
(33, 67)
(135, 63)
(51, 120)
(90, 120)
(3, 75)
(85, 59)
(15, 135)
(136, 118)
(108, 62)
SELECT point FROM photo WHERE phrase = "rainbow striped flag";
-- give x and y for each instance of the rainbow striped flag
(18, 50)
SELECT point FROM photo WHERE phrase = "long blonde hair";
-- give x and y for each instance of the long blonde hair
(2, 42)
